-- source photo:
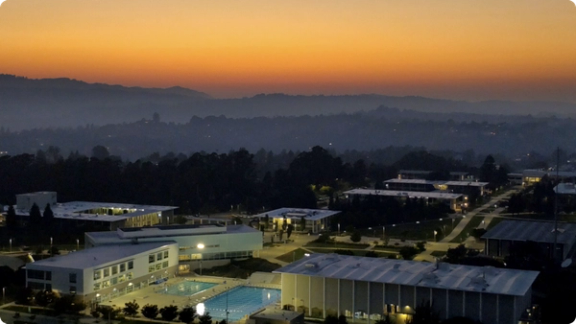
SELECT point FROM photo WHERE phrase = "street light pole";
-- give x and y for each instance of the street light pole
(77, 244)
(338, 229)
(50, 245)
(10, 245)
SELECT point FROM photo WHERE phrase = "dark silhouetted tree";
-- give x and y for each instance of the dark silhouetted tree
(150, 311)
(187, 315)
(35, 216)
(169, 313)
(11, 218)
(131, 308)
(100, 152)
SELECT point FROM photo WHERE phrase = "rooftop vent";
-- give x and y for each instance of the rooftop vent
(310, 265)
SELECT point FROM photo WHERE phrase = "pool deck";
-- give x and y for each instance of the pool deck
(152, 294)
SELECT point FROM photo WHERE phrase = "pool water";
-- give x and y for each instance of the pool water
(241, 301)
(188, 288)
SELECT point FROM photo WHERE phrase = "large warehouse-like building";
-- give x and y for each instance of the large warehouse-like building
(367, 288)
(501, 238)
(454, 201)
(104, 272)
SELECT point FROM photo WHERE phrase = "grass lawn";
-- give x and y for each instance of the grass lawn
(423, 231)
(292, 256)
(438, 254)
(474, 222)
(356, 252)
(494, 222)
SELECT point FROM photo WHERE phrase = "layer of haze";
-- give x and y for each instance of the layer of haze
(459, 49)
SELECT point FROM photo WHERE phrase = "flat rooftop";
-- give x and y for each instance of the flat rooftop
(78, 210)
(310, 214)
(565, 189)
(409, 194)
(439, 182)
(536, 231)
(168, 231)
(99, 255)
(270, 313)
(413, 273)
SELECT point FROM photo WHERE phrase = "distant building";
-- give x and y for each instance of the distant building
(501, 238)
(425, 174)
(195, 242)
(467, 188)
(454, 201)
(316, 219)
(530, 177)
(103, 215)
(365, 289)
(104, 272)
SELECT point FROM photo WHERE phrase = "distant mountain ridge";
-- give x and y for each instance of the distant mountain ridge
(47, 103)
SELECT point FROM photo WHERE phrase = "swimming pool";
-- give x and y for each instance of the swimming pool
(187, 288)
(241, 301)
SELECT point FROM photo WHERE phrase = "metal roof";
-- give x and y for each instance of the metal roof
(439, 182)
(413, 273)
(310, 214)
(537, 231)
(99, 255)
(409, 194)
(77, 210)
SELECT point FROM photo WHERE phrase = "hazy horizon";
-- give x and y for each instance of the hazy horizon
(491, 50)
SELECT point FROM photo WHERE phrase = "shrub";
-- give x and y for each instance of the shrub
(169, 313)
(187, 315)
(356, 237)
(408, 252)
(150, 311)
(131, 308)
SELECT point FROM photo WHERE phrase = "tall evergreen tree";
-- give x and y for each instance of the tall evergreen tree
(48, 215)
(11, 220)
(35, 215)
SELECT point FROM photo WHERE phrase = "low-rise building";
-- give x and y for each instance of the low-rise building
(104, 272)
(500, 239)
(366, 289)
(454, 201)
(316, 220)
(100, 215)
(196, 243)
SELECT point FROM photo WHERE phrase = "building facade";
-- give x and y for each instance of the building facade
(315, 220)
(195, 242)
(366, 289)
(104, 272)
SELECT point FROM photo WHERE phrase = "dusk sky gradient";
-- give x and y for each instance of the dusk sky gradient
(454, 49)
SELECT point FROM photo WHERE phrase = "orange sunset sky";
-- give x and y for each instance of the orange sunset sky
(456, 49)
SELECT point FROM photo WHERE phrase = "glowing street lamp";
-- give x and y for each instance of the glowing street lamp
(201, 247)
(435, 235)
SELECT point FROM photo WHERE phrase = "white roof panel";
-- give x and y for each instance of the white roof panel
(99, 255)
(412, 273)
(409, 194)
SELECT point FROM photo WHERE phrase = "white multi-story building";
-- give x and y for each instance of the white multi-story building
(195, 242)
(103, 272)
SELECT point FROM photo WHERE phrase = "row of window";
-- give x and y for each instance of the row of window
(39, 286)
(216, 256)
(113, 281)
(157, 256)
(113, 270)
(184, 248)
(39, 274)
(158, 266)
